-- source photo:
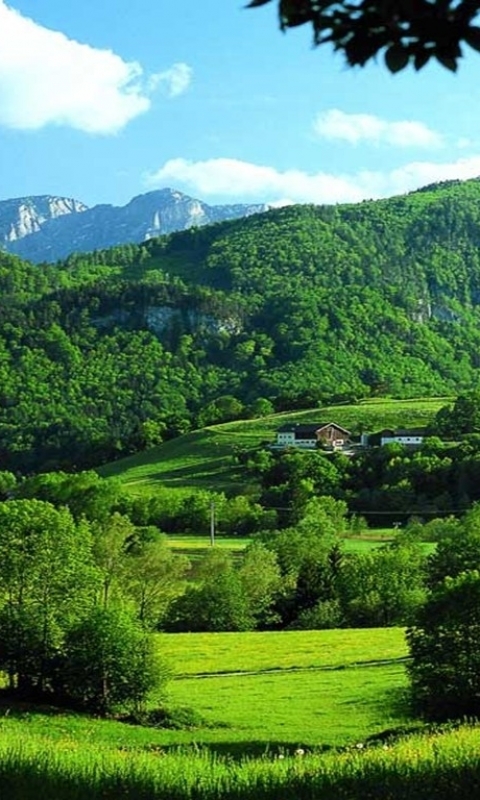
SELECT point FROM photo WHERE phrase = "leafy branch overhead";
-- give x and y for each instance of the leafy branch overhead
(407, 32)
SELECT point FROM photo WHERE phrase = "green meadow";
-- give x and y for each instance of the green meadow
(195, 546)
(441, 766)
(204, 459)
(309, 688)
(280, 716)
(184, 542)
(258, 691)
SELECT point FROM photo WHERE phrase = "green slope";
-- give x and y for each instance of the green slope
(204, 459)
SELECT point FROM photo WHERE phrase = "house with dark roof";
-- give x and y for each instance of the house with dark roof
(308, 437)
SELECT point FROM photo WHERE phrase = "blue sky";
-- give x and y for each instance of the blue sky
(102, 100)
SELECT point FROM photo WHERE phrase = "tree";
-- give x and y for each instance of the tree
(311, 540)
(8, 483)
(261, 580)
(406, 31)
(152, 576)
(261, 407)
(316, 582)
(47, 579)
(445, 650)
(462, 418)
(110, 551)
(223, 409)
(109, 662)
(85, 493)
(384, 587)
(458, 551)
(218, 603)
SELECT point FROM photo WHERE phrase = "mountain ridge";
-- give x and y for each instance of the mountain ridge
(47, 228)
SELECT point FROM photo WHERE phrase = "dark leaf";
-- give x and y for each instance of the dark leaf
(255, 3)
(396, 58)
(295, 12)
(447, 61)
(472, 37)
(421, 59)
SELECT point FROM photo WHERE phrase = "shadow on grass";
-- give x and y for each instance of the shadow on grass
(18, 708)
(238, 751)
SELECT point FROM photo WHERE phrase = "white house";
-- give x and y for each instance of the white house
(410, 436)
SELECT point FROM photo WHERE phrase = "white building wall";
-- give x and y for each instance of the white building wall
(286, 438)
(401, 439)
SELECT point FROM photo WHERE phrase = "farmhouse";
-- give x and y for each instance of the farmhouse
(408, 436)
(307, 437)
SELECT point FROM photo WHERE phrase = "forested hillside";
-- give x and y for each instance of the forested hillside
(105, 354)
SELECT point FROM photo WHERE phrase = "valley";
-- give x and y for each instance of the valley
(142, 388)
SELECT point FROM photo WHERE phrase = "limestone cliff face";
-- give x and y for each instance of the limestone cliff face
(26, 215)
(49, 228)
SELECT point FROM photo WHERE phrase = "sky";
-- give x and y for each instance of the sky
(103, 100)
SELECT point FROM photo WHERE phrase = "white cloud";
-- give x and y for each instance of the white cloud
(354, 128)
(421, 173)
(175, 80)
(229, 178)
(47, 78)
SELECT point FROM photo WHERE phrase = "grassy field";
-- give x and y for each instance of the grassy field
(441, 766)
(444, 767)
(258, 691)
(290, 688)
(203, 543)
(204, 459)
(262, 697)
(195, 546)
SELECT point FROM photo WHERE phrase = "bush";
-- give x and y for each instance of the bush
(325, 614)
(178, 718)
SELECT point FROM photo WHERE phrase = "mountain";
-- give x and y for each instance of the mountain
(46, 228)
(110, 352)
(25, 216)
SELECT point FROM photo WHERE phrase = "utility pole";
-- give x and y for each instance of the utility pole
(212, 523)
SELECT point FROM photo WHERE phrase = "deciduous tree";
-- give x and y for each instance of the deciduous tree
(47, 580)
(109, 662)
(445, 649)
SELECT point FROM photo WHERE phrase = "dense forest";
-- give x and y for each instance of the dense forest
(111, 352)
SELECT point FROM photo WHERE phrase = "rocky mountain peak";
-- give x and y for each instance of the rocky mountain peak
(23, 216)
(47, 228)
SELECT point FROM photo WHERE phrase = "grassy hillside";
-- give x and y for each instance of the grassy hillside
(204, 459)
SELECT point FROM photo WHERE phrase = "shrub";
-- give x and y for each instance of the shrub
(325, 614)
